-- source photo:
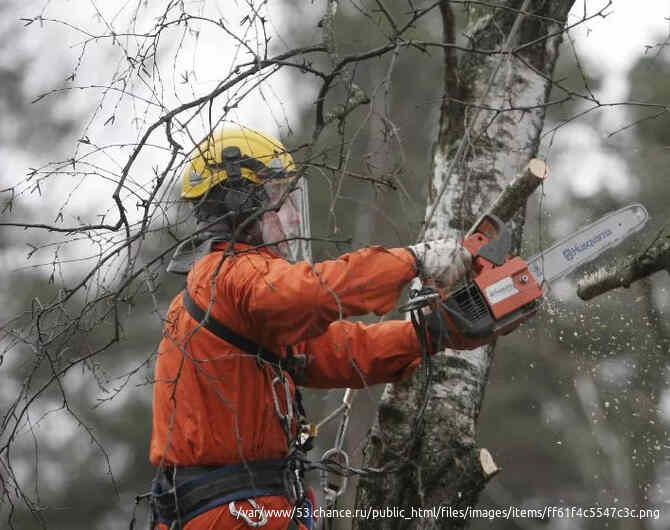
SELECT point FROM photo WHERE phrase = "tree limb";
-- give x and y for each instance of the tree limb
(514, 196)
(655, 258)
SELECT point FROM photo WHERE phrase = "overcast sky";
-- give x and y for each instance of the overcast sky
(608, 47)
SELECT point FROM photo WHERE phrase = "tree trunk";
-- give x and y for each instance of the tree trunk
(490, 125)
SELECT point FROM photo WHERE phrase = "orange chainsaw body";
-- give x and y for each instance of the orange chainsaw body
(501, 294)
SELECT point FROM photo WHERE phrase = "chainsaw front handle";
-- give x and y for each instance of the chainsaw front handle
(489, 244)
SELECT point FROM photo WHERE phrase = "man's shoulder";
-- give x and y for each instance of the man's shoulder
(226, 261)
(226, 249)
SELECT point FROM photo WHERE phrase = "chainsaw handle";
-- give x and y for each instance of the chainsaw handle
(489, 244)
(490, 240)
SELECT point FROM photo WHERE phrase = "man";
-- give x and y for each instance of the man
(255, 319)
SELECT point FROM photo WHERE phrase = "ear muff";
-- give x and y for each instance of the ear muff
(239, 196)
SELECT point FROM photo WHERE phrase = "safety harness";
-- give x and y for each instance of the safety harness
(182, 493)
(179, 494)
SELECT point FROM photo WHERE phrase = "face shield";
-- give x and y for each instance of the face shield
(285, 226)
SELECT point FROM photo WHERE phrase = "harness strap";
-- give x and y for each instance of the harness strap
(224, 332)
(182, 499)
(292, 363)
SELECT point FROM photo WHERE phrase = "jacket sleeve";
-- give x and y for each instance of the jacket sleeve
(288, 303)
(354, 355)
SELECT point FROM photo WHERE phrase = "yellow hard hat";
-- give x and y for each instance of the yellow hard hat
(240, 151)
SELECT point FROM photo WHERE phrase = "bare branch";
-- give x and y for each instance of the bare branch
(655, 258)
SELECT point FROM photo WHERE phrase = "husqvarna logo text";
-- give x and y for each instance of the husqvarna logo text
(569, 253)
(500, 290)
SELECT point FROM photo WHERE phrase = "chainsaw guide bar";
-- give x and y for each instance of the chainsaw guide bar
(587, 244)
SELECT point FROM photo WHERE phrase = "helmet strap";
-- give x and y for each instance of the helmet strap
(231, 157)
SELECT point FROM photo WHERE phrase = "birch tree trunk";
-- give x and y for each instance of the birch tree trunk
(490, 125)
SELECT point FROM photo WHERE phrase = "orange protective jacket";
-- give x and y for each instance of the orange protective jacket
(213, 403)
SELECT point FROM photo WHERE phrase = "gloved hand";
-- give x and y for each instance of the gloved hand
(444, 261)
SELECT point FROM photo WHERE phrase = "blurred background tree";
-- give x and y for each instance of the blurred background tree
(577, 405)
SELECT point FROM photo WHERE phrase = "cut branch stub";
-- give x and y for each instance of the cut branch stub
(489, 467)
(516, 193)
(514, 196)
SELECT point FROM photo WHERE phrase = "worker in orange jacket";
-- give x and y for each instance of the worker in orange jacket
(256, 318)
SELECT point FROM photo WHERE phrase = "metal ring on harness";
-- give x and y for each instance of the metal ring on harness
(342, 459)
(262, 521)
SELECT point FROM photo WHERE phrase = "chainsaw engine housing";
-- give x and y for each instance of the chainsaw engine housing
(502, 293)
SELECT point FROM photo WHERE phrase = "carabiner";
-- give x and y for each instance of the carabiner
(331, 490)
(288, 417)
(262, 521)
(344, 421)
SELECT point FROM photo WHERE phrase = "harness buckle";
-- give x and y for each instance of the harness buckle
(262, 518)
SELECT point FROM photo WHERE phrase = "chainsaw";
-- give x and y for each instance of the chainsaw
(504, 290)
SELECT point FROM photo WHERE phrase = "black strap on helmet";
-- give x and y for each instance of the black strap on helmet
(230, 160)
(235, 193)
(233, 162)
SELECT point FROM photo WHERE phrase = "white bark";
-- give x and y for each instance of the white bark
(490, 127)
